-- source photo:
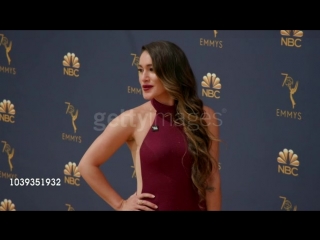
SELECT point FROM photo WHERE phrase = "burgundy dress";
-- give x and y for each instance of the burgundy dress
(166, 164)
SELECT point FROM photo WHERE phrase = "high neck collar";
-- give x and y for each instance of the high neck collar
(162, 108)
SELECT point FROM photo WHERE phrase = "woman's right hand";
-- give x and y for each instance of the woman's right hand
(136, 202)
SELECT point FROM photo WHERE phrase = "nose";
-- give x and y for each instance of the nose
(144, 76)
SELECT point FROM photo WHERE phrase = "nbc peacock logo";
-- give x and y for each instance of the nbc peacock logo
(7, 205)
(211, 86)
(212, 42)
(288, 162)
(291, 38)
(71, 65)
(7, 111)
(72, 174)
(4, 42)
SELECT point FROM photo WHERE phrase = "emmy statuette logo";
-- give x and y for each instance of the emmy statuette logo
(212, 42)
(287, 205)
(70, 208)
(135, 62)
(7, 45)
(292, 86)
(134, 172)
(288, 81)
(215, 33)
(74, 113)
(9, 152)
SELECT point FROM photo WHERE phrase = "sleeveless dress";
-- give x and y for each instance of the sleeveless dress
(166, 164)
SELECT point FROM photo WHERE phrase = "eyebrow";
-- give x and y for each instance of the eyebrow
(148, 65)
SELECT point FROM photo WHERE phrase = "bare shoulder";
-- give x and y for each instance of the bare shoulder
(143, 108)
(208, 110)
(123, 126)
(131, 118)
(210, 116)
(137, 113)
(132, 115)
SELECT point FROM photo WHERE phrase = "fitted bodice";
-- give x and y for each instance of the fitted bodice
(166, 163)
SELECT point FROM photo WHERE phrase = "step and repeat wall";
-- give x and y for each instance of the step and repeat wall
(60, 89)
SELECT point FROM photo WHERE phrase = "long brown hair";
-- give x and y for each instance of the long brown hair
(172, 66)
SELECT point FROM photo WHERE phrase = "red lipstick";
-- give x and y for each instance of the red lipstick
(146, 87)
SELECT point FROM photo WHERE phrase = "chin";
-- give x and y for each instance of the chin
(147, 96)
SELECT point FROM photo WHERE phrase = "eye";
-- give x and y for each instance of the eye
(139, 69)
(151, 69)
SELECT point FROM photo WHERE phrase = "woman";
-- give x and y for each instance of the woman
(172, 137)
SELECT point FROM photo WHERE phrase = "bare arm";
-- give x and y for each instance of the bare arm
(118, 131)
(213, 193)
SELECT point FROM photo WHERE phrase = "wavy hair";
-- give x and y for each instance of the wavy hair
(172, 66)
